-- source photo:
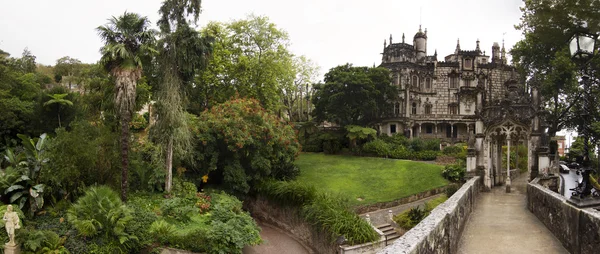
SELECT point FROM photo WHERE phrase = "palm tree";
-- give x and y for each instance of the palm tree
(60, 100)
(127, 41)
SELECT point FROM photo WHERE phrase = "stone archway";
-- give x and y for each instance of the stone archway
(507, 133)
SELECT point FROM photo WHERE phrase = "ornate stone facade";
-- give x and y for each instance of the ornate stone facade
(439, 99)
(469, 97)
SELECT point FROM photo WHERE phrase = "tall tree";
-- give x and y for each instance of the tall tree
(66, 69)
(543, 55)
(353, 95)
(127, 41)
(182, 54)
(250, 58)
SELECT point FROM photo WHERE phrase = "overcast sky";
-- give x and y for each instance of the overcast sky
(330, 32)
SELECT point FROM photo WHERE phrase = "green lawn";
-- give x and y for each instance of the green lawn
(370, 179)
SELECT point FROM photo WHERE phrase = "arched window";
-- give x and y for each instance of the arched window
(453, 82)
(397, 108)
(415, 82)
(428, 109)
(428, 84)
(414, 108)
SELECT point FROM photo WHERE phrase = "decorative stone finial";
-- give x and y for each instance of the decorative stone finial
(390, 39)
(384, 43)
(477, 48)
(402, 37)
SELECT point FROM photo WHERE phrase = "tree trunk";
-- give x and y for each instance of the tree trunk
(126, 118)
(169, 164)
(59, 125)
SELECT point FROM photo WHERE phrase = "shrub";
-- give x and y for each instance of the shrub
(331, 143)
(242, 143)
(162, 232)
(452, 150)
(378, 147)
(138, 123)
(454, 172)
(451, 189)
(426, 155)
(42, 241)
(332, 214)
(396, 140)
(179, 209)
(401, 153)
(139, 225)
(184, 189)
(411, 217)
(100, 213)
(203, 203)
(288, 193)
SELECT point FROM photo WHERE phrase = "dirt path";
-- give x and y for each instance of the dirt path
(275, 241)
(501, 223)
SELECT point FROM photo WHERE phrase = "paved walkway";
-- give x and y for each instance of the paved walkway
(501, 223)
(275, 241)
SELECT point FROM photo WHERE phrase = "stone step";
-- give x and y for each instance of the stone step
(383, 225)
(391, 238)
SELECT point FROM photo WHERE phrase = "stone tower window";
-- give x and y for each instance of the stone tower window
(415, 81)
(468, 64)
(467, 82)
(397, 108)
(428, 109)
(414, 108)
(453, 82)
(428, 84)
(453, 109)
(392, 128)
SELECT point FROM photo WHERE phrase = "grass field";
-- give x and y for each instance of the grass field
(367, 180)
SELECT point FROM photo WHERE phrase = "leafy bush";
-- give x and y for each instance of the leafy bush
(184, 189)
(138, 123)
(240, 143)
(162, 232)
(203, 203)
(452, 150)
(451, 189)
(454, 172)
(100, 213)
(42, 241)
(378, 147)
(426, 155)
(180, 209)
(146, 166)
(333, 215)
(139, 225)
(331, 143)
(330, 213)
(411, 217)
(288, 193)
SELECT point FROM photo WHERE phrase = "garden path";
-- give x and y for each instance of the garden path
(501, 223)
(275, 241)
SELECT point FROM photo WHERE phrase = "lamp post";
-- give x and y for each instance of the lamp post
(582, 45)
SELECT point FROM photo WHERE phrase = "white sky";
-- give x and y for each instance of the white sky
(330, 32)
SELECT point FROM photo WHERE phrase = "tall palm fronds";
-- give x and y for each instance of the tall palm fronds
(128, 44)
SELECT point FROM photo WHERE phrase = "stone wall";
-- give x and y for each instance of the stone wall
(577, 229)
(440, 232)
(288, 218)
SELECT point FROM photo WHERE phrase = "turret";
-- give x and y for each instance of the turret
(420, 44)
(503, 56)
(477, 48)
(496, 53)
(457, 50)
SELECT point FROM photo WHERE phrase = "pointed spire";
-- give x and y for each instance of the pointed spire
(477, 48)
(435, 53)
(402, 37)
(420, 29)
(390, 39)
(384, 43)
(457, 45)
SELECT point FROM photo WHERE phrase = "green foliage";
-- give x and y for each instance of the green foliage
(184, 189)
(87, 155)
(162, 232)
(353, 95)
(138, 123)
(411, 217)
(454, 172)
(452, 150)
(240, 143)
(327, 212)
(180, 209)
(147, 166)
(292, 193)
(451, 189)
(332, 142)
(42, 241)
(378, 147)
(100, 212)
(334, 215)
